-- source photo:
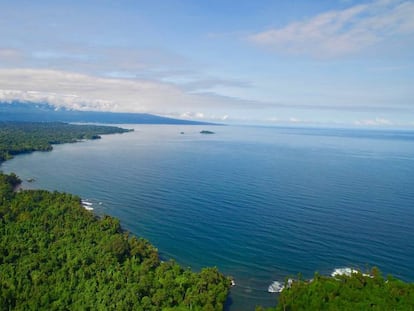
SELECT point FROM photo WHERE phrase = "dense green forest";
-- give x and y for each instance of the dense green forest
(55, 255)
(357, 291)
(23, 137)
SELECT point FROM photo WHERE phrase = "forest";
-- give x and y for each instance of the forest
(357, 291)
(55, 255)
(24, 137)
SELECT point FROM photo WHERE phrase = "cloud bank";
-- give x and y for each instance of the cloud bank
(86, 92)
(93, 93)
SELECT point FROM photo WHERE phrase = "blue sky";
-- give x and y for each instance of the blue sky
(320, 62)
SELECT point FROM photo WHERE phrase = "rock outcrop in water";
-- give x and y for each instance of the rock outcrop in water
(206, 132)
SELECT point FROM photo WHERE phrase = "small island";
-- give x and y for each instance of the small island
(206, 132)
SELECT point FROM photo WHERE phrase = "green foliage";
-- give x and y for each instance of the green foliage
(7, 185)
(356, 292)
(24, 137)
(55, 255)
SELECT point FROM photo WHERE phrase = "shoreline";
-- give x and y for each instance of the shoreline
(309, 274)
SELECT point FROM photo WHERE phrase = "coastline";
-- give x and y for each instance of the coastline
(139, 191)
(213, 297)
(31, 137)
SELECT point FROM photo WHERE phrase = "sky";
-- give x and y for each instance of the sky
(319, 62)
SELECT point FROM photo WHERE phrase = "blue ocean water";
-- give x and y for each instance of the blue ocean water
(259, 203)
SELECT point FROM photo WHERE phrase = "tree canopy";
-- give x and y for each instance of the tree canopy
(55, 255)
(24, 137)
(357, 291)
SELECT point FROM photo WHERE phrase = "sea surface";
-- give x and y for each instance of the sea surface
(259, 203)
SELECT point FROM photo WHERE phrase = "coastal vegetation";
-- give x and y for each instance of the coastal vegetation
(356, 291)
(24, 137)
(55, 255)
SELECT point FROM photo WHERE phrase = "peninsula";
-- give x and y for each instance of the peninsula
(25, 137)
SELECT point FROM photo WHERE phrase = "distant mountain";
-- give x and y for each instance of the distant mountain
(42, 112)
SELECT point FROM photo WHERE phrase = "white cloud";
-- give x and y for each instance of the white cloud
(87, 92)
(374, 122)
(295, 120)
(199, 83)
(192, 115)
(274, 120)
(8, 54)
(342, 32)
(76, 91)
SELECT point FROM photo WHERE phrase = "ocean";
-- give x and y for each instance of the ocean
(260, 203)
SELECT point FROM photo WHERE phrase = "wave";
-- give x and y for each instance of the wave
(278, 287)
(343, 271)
(87, 205)
(275, 287)
(348, 272)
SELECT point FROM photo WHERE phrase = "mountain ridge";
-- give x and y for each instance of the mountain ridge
(44, 112)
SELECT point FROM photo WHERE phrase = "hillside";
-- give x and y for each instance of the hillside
(42, 112)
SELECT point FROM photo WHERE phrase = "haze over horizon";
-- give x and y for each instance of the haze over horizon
(338, 62)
